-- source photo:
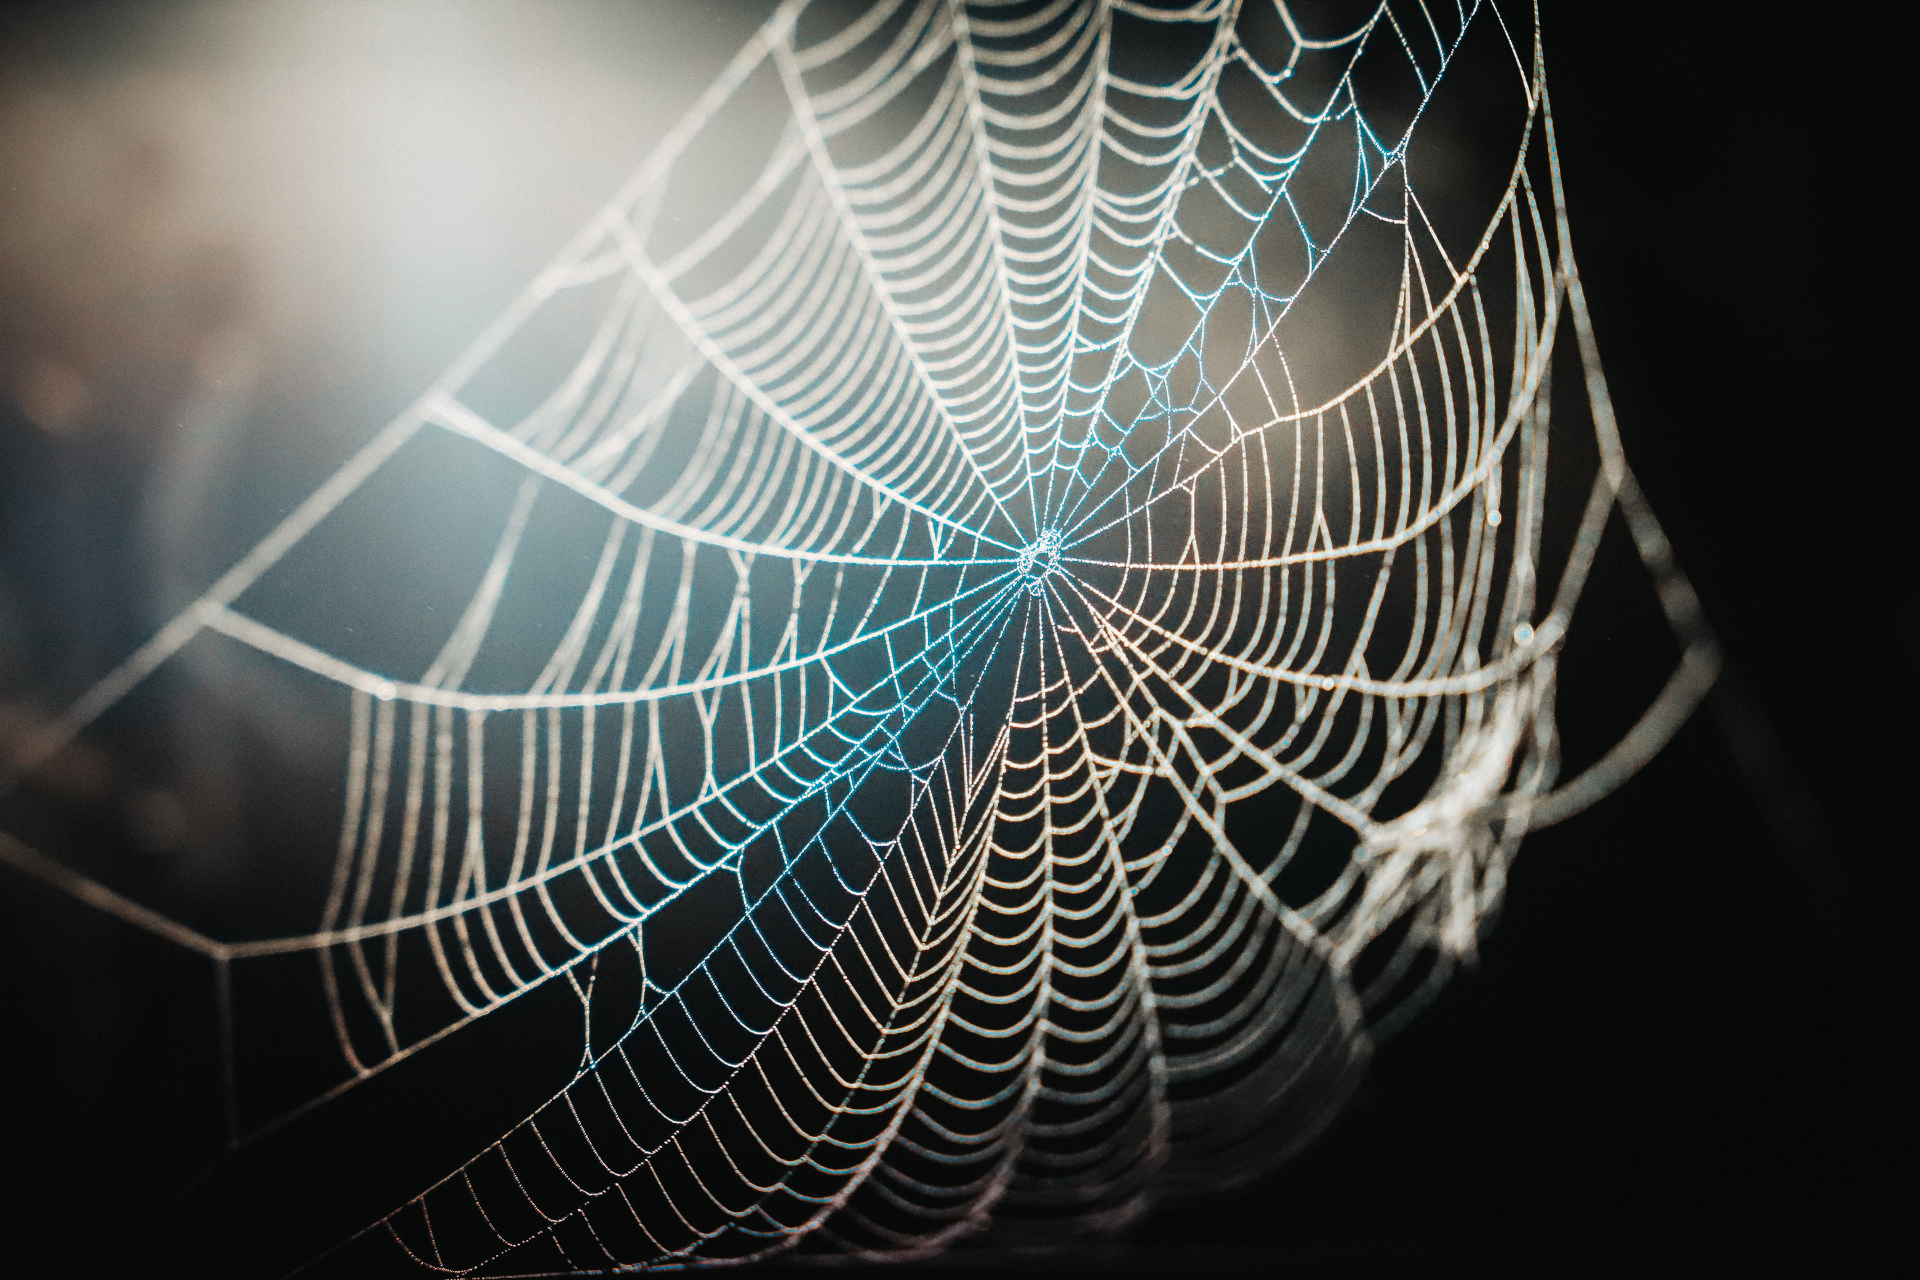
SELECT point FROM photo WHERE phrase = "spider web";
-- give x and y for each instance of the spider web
(988, 726)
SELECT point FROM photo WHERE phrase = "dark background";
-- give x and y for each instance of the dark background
(1681, 1042)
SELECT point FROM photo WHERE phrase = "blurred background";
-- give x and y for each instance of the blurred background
(236, 236)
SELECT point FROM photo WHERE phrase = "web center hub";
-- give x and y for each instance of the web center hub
(1039, 559)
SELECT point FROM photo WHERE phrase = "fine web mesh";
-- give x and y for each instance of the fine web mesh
(1024, 714)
